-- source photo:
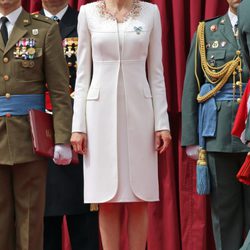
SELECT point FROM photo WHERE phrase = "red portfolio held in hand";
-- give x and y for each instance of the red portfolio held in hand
(43, 135)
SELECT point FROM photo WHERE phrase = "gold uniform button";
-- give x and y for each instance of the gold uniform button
(6, 77)
(6, 59)
(7, 95)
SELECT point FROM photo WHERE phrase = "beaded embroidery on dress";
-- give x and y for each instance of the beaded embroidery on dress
(104, 12)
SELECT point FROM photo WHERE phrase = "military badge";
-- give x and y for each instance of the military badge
(25, 49)
(222, 21)
(35, 32)
(213, 28)
(215, 44)
(223, 44)
(70, 46)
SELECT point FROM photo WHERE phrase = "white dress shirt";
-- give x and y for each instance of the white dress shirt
(12, 17)
(60, 14)
(233, 18)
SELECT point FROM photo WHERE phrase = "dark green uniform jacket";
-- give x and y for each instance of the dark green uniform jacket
(221, 47)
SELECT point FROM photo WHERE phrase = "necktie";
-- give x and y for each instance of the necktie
(236, 30)
(55, 18)
(4, 31)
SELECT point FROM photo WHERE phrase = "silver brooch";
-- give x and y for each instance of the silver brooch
(138, 30)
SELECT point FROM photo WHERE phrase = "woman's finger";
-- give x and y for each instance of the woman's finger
(157, 141)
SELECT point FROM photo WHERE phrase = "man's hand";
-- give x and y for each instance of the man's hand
(62, 154)
(193, 152)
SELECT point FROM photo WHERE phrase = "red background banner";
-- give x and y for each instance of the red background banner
(181, 220)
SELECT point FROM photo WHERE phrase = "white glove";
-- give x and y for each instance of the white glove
(62, 154)
(193, 151)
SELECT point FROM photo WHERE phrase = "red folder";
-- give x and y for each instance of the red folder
(42, 132)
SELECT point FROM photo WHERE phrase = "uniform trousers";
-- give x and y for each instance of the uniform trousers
(230, 200)
(83, 231)
(22, 204)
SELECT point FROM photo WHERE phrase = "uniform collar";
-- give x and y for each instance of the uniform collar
(60, 14)
(12, 17)
(233, 18)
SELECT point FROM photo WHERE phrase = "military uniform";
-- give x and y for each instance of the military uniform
(31, 57)
(244, 30)
(225, 154)
(64, 190)
(244, 34)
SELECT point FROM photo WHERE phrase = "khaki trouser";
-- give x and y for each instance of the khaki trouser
(22, 202)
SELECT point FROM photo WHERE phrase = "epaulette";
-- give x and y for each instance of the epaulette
(39, 17)
(211, 19)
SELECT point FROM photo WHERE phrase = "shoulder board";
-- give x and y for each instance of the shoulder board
(42, 18)
(212, 19)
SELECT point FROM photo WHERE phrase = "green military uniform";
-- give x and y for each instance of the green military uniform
(22, 173)
(244, 33)
(244, 28)
(225, 153)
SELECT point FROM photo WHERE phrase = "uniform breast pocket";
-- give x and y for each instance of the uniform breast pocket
(216, 57)
(29, 70)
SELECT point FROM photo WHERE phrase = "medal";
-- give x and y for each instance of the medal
(25, 50)
(70, 45)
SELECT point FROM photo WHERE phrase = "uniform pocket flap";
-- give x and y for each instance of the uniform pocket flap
(216, 54)
(93, 94)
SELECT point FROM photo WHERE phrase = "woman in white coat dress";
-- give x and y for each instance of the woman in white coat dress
(120, 117)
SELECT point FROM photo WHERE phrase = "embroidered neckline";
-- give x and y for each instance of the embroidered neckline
(104, 12)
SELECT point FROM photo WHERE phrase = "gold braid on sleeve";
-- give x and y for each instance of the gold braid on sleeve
(217, 76)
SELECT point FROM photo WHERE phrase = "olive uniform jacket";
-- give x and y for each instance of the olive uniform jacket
(65, 184)
(18, 78)
(221, 47)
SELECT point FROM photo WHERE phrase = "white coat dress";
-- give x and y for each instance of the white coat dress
(100, 63)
